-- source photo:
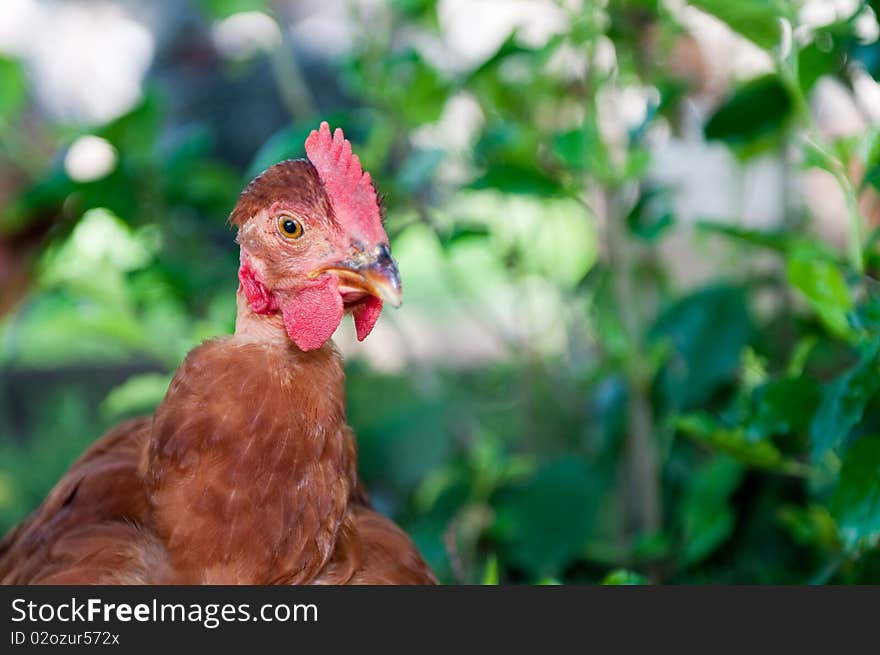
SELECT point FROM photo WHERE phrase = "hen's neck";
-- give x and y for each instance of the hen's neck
(250, 326)
(251, 464)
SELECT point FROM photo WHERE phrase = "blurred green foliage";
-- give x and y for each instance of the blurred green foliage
(631, 430)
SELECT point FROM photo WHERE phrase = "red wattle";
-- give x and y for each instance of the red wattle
(260, 299)
(312, 315)
(365, 316)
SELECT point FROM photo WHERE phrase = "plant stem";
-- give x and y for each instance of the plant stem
(788, 73)
(641, 457)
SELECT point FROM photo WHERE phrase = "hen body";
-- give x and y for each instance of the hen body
(211, 490)
(247, 472)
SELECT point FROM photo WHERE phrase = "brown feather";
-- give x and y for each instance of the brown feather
(371, 550)
(219, 458)
(293, 181)
(220, 488)
(103, 485)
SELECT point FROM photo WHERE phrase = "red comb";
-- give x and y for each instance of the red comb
(349, 188)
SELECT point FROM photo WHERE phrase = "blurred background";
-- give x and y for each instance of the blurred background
(640, 337)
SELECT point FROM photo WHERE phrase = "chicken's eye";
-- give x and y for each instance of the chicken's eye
(289, 227)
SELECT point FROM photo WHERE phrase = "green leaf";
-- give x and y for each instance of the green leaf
(401, 435)
(707, 331)
(507, 153)
(704, 429)
(825, 287)
(12, 89)
(546, 521)
(135, 133)
(815, 62)
(225, 8)
(417, 9)
(463, 232)
(828, 53)
(100, 242)
(870, 155)
(507, 143)
(561, 246)
(490, 573)
(777, 240)
(582, 149)
(517, 179)
(843, 403)
(783, 407)
(708, 518)
(756, 20)
(414, 87)
(509, 47)
(651, 216)
(856, 501)
(139, 394)
(872, 176)
(755, 112)
(811, 526)
(624, 577)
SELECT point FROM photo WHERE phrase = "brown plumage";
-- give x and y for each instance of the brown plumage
(247, 472)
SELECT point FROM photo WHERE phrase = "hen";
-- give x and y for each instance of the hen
(247, 472)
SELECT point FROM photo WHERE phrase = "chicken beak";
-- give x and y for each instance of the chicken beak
(375, 274)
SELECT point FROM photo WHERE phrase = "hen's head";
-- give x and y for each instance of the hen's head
(312, 243)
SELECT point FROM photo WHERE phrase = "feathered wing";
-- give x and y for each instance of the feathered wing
(87, 530)
(372, 550)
